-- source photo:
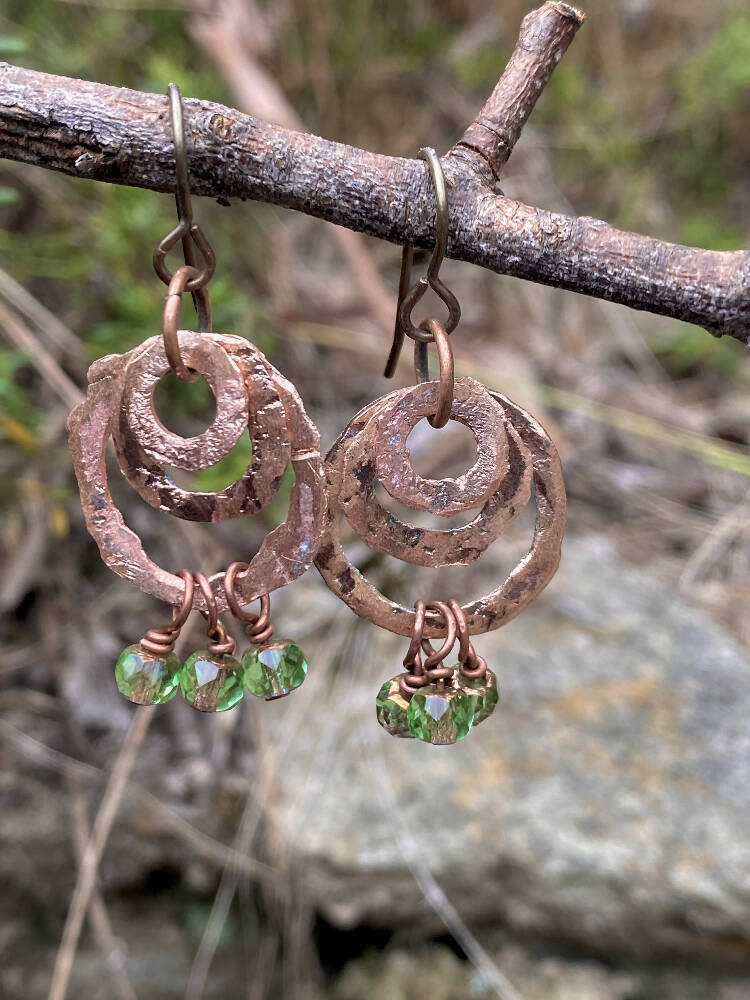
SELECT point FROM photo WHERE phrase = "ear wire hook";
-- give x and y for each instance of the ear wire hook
(408, 296)
(186, 229)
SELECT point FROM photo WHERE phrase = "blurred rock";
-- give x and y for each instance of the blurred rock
(606, 804)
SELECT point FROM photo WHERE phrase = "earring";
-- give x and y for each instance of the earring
(250, 393)
(430, 701)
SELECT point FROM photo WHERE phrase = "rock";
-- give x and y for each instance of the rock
(606, 804)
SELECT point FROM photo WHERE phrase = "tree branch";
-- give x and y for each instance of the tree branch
(545, 36)
(122, 136)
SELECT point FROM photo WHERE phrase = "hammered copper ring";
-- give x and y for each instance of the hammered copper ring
(206, 355)
(525, 582)
(266, 423)
(382, 530)
(473, 406)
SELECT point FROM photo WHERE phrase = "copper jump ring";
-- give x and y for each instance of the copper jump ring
(445, 359)
(433, 664)
(222, 644)
(413, 659)
(160, 641)
(470, 664)
(177, 285)
(258, 627)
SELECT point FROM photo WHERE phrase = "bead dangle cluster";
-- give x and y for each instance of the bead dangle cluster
(432, 702)
(211, 679)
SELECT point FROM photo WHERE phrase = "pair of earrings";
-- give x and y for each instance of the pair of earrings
(428, 701)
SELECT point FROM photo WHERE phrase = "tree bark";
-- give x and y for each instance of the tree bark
(123, 137)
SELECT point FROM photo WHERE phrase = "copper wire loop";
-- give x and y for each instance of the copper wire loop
(445, 359)
(412, 680)
(469, 663)
(160, 641)
(436, 657)
(421, 672)
(222, 643)
(172, 303)
(258, 627)
(413, 658)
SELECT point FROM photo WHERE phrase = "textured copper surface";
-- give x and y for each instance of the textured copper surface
(382, 530)
(524, 583)
(473, 407)
(264, 417)
(146, 365)
(286, 552)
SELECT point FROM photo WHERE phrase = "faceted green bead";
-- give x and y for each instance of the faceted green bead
(273, 669)
(483, 693)
(391, 707)
(147, 678)
(211, 683)
(440, 717)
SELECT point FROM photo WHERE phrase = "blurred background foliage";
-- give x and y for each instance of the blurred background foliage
(644, 125)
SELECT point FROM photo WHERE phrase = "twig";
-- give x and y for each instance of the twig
(111, 952)
(20, 335)
(204, 846)
(89, 865)
(49, 326)
(123, 136)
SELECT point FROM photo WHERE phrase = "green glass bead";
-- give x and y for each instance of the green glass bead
(211, 683)
(147, 678)
(391, 707)
(440, 717)
(273, 669)
(483, 693)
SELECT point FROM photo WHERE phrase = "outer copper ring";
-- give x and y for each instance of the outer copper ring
(286, 552)
(382, 530)
(525, 582)
(471, 406)
(264, 416)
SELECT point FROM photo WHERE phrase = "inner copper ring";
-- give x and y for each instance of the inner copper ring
(203, 353)
(472, 406)
(266, 422)
(382, 530)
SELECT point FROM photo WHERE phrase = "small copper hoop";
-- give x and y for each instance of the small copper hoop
(445, 359)
(180, 615)
(469, 663)
(436, 656)
(258, 627)
(413, 658)
(160, 641)
(211, 613)
(177, 286)
(222, 644)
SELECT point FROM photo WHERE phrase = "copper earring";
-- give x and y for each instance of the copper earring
(250, 394)
(430, 701)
